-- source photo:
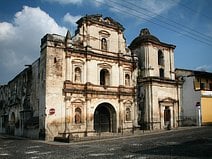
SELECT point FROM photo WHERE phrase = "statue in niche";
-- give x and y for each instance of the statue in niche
(127, 80)
(77, 77)
(128, 116)
(104, 44)
(78, 116)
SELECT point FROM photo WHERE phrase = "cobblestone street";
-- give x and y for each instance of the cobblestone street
(181, 143)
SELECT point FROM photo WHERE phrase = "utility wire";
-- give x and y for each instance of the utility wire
(192, 10)
(138, 15)
(172, 26)
(178, 25)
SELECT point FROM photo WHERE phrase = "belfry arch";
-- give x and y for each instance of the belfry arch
(105, 118)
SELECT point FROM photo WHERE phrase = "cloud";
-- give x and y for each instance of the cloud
(143, 8)
(207, 68)
(6, 31)
(71, 19)
(20, 40)
(98, 3)
(157, 7)
(66, 1)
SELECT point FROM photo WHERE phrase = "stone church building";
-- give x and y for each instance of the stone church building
(91, 83)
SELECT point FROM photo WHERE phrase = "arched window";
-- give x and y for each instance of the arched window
(78, 116)
(160, 58)
(104, 44)
(128, 114)
(104, 77)
(161, 72)
(127, 80)
(77, 76)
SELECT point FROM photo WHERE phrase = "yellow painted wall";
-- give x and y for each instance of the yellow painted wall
(206, 104)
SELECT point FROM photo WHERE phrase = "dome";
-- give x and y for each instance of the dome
(144, 36)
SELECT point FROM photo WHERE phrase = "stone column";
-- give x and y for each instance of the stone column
(67, 113)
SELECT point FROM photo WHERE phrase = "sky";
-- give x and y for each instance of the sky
(184, 23)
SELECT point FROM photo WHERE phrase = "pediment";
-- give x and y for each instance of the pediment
(168, 100)
(128, 103)
(78, 101)
(78, 61)
(105, 33)
(104, 65)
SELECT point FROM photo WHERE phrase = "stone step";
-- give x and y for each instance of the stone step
(62, 139)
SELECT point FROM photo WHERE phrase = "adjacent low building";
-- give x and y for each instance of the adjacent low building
(19, 103)
(196, 97)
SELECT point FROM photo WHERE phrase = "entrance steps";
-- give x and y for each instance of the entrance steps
(92, 135)
(74, 137)
(63, 137)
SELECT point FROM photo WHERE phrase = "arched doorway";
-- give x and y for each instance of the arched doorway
(105, 118)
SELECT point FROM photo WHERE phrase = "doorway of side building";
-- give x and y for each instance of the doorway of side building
(167, 117)
(105, 118)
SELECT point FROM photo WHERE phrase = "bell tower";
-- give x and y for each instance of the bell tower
(156, 59)
(156, 85)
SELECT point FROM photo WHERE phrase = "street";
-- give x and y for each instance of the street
(186, 143)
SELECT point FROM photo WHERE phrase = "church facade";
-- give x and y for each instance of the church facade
(91, 83)
(89, 80)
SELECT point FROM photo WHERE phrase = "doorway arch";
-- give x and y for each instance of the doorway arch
(167, 117)
(105, 118)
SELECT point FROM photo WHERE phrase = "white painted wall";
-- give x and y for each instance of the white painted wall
(190, 97)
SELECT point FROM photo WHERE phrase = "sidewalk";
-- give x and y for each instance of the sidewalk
(118, 136)
(101, 137)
